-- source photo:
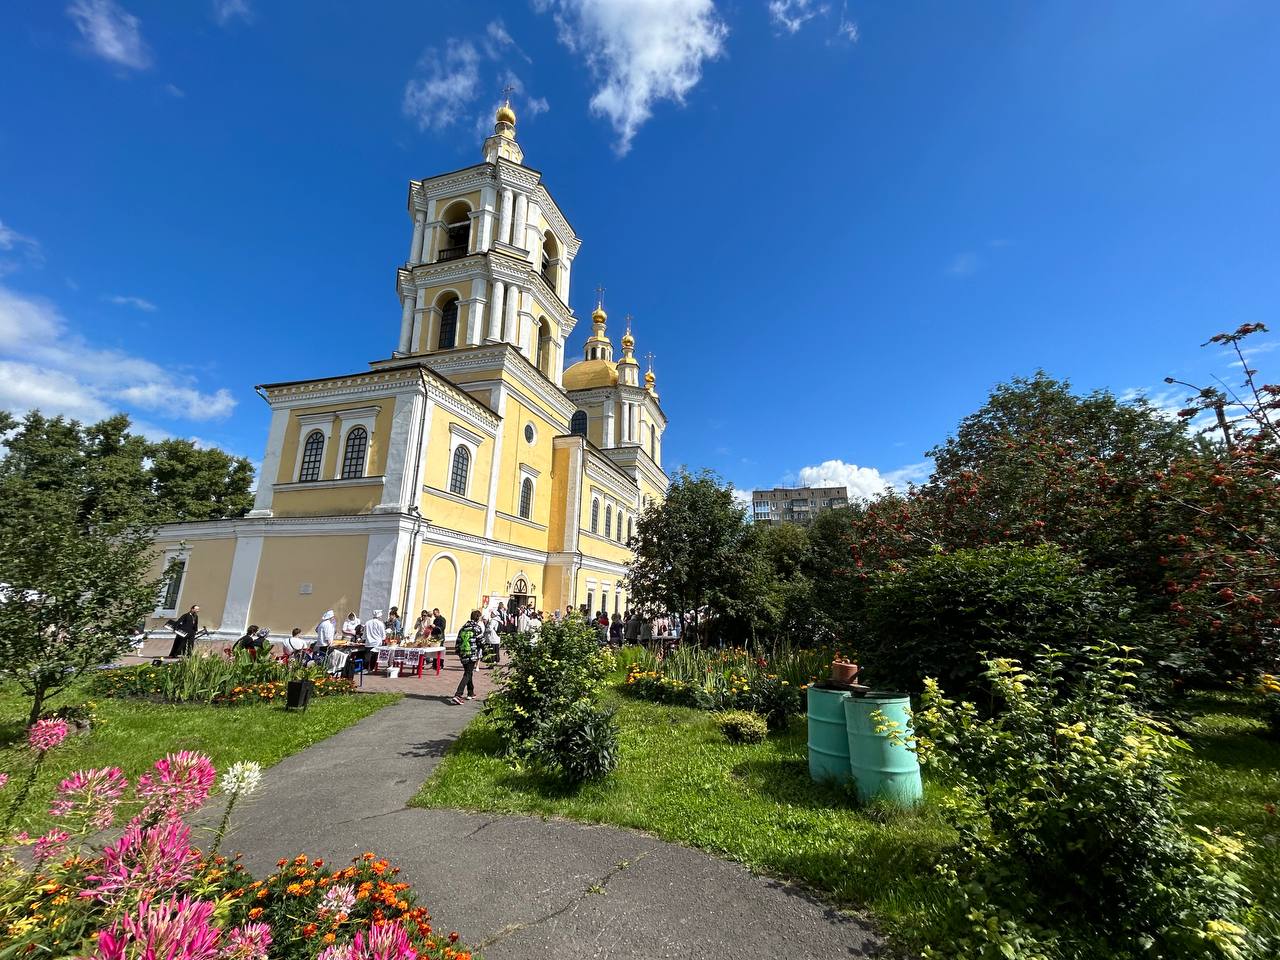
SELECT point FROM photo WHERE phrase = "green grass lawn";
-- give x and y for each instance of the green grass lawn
(680, 780)
(134, 734)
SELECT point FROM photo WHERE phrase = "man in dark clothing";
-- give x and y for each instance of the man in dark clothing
(467, 648)
(184, 632)
(438, 624)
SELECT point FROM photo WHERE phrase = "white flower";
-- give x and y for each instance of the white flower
(242, 777)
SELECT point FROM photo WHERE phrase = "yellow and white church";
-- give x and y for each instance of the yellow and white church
(470, 468)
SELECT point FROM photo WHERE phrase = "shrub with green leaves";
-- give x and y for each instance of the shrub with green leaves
(200, 678)
(946, 613)
(1071, 846)
(546, 677)
(581, 743)
(742, 726)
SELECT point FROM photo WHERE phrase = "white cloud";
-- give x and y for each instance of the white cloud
(22, 250)
(441, 97)
(846, 29)
(225, 11)
(862, 482)
(964, 264)
(791, 15)
(741, 498)
(112, 33)
(641, 52)
(44, 364)
(138, 302)
(449, 85)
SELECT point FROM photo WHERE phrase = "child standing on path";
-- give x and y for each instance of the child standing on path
(467, 648)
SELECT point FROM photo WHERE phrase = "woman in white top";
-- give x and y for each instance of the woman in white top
(349, 627)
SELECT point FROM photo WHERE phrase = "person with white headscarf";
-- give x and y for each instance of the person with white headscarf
(325, 631)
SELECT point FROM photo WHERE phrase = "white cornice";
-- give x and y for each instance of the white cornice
(458, 430)
(608, 476)
(551, 210)
(327, 484)
(505, 359)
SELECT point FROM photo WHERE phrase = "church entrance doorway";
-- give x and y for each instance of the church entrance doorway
(520, 596)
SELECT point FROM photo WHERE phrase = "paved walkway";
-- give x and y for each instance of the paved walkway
(519, 887)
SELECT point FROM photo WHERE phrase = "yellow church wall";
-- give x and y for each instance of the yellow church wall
(559, 495)
(376, 456)
(333, 565)
(587, 577)
(437, 502)
(204, 581)
(335, 501)
(448, 579)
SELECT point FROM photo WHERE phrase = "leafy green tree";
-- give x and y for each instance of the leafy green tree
(68, 597)
(103, 473)
(692, 552)
(193, 483)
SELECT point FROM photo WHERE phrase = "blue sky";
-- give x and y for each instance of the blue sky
(836, 226)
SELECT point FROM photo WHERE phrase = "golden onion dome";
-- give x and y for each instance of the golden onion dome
(506, 114)
(628, 341)
(649, 378)
(589, 374)
(598, 315)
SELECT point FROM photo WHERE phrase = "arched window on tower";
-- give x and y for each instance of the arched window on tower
(458, 472)
(628, 529)
(619, 535)
(595, 516)
(354, 452)
(312, 457)
(608, 520)
(550, 260)
(456, 239)
(448, 325)
(578, 424)
(526, 498)
(542, 358)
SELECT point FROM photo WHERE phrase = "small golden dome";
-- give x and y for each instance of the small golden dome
(649, 378)
(598, 315)
(628, 341)
(506, 114)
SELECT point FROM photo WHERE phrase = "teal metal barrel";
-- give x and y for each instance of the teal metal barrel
(881, 769)
(828, 741)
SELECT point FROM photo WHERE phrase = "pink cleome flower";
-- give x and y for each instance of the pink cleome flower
(4, 778)
(249, 942)
(50, 846)
(340, 898)
(44, 735)
(173, 930)
(385, 941)
(181, 783)
(144, 863)
(91, 795)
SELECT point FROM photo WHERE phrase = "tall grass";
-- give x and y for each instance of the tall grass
(199, 678)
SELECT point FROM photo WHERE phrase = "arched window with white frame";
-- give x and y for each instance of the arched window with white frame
(578, 424)
(608, 520)
(459, 471)
(526, 498)
(312, 457)
(595, 516)
(353, 453)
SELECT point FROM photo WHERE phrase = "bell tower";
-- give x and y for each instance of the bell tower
(489, 260)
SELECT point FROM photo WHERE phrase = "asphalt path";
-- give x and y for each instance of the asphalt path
(523, 887)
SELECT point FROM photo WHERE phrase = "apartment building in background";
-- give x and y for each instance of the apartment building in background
(795, 504)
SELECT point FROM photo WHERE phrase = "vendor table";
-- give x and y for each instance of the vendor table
(409, 659)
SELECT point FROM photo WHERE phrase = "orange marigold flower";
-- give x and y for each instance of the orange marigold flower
(255, 913)
(309, 930)
(329, 938)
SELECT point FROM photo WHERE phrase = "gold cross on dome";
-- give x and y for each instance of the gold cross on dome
(599, 295)
(507, 91)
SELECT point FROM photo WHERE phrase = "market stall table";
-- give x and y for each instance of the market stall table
(409, 659)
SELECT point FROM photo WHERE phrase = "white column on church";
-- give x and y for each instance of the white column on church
(496, 310)
(518, 237)
(512, 318)
(504, 225)
(475, 318)
(419, 321)
(406, 324)
(419, 229)
(487, 197)
(608, 423)
(532, 243)
(563, 285)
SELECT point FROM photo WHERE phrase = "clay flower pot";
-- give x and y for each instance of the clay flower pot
(843, 672)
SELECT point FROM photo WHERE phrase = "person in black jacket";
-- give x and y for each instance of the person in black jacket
(184, 632)
(467, 647)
